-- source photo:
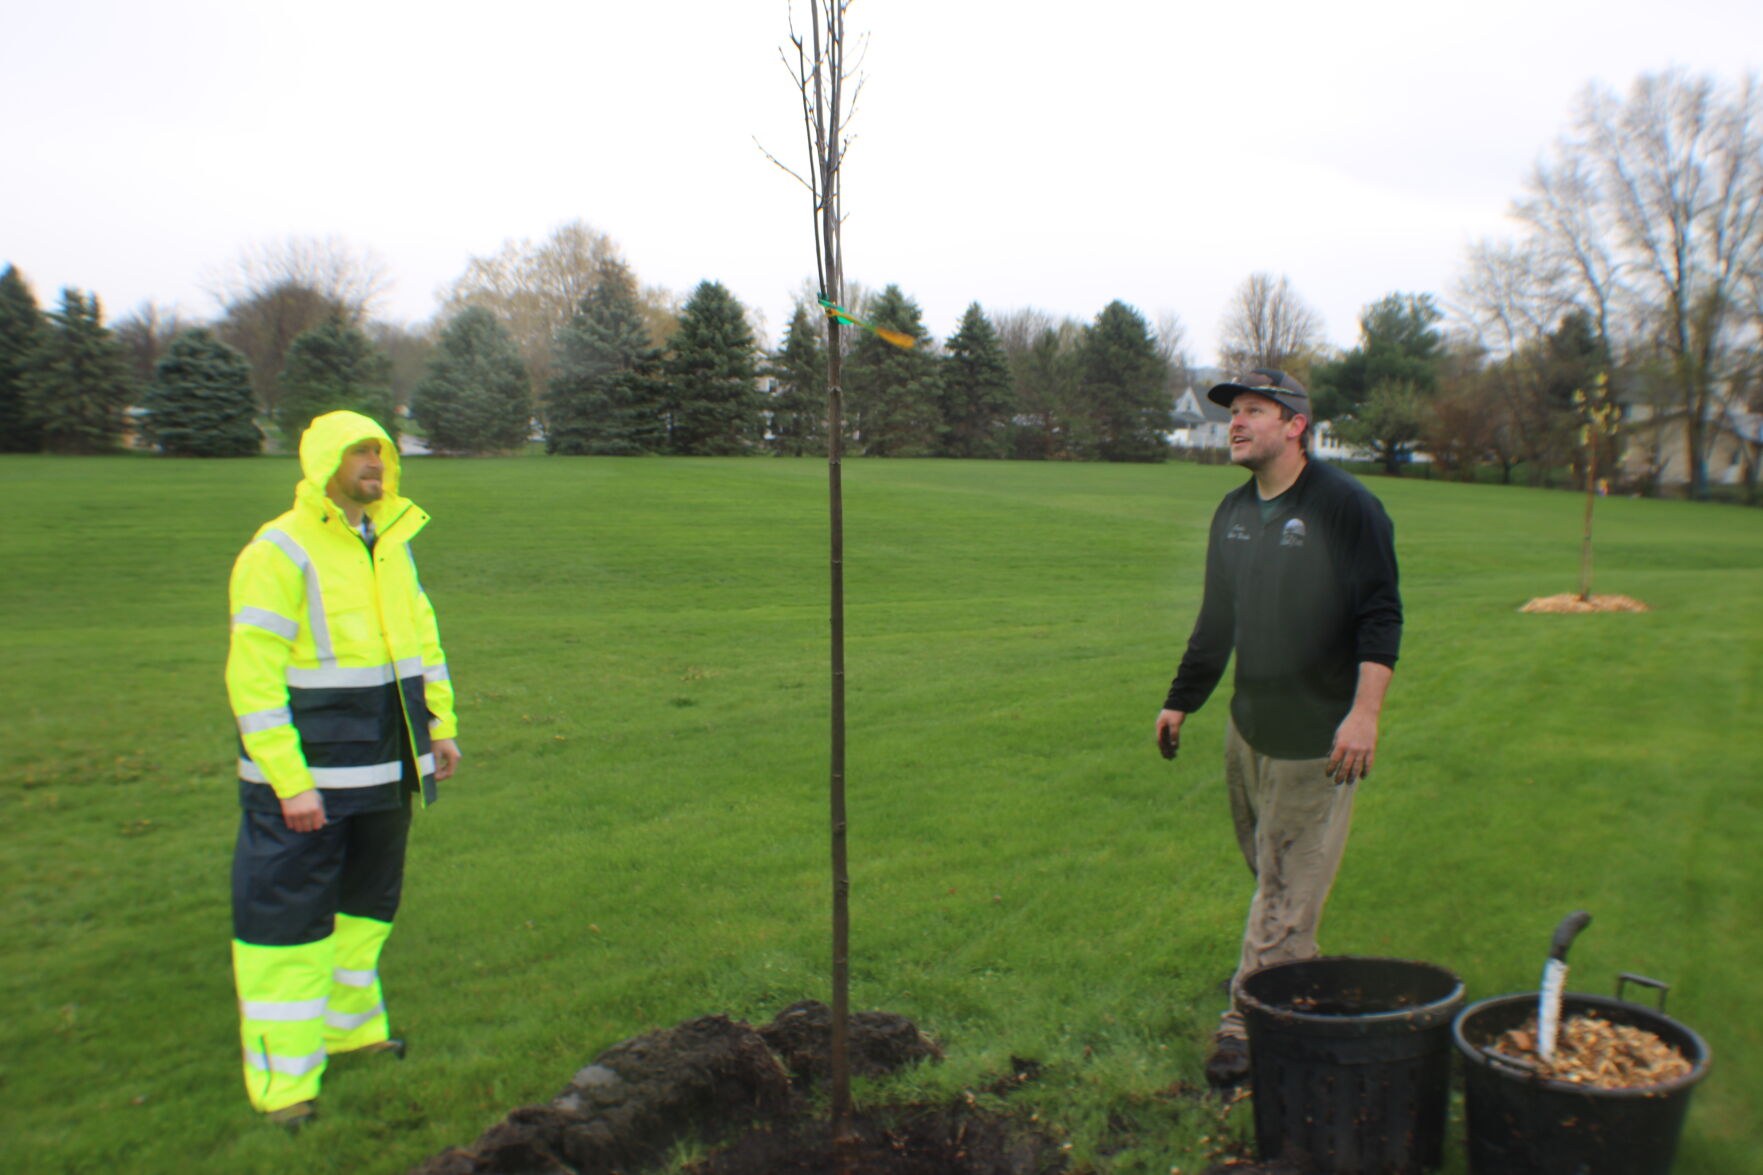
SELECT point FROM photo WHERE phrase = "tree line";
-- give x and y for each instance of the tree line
(1635, 276)
(618, 371)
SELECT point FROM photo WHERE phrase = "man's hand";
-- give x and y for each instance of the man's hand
(1355, 740)
(304, 812)
(447, 756)
(1355, 747)
(1169, 731)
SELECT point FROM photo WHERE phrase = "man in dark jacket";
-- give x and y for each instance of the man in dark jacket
(1301, 583)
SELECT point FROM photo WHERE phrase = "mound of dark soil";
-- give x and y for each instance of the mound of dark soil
(634, 1101)
(878, 1042)
(707, 1077)
(913, 1141)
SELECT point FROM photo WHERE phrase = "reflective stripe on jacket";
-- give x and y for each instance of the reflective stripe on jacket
(335, 670)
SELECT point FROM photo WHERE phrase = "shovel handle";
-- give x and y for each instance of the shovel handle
(1566, 932)
(1626, 977)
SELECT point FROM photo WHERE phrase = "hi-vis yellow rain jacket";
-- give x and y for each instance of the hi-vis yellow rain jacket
(335, 670)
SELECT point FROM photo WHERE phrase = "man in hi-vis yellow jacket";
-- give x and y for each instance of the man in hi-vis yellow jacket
(345, 712)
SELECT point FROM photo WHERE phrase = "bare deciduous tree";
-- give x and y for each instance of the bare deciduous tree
(1018, 329)
(279, 290)
(1509, 295)
(145, 334)
(356, 281)
(1043, 351)
(1172, 348)
(1466, 424)
(1269, 325)
(409, 349)
(1656, 202)
(534, 289)
(1569, 258)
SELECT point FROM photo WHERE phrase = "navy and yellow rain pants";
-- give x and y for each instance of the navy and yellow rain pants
(311, 911)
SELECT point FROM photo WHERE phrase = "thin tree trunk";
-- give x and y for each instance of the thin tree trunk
(1591, 496)
(840, 1058)
(831, 147)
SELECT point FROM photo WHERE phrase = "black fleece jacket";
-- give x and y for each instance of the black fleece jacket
(1303, 599)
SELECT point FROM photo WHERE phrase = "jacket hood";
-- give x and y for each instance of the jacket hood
(325, 441)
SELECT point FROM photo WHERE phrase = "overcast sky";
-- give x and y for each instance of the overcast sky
(1014, 154)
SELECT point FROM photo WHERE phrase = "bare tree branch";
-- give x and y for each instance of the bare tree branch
(1268, 325)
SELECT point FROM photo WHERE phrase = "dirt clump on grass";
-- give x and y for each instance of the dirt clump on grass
(1571, 603)
(878, 1042)
(635, 1100)
(710, 1077)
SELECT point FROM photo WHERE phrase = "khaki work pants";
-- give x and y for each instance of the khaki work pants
(1291, 823)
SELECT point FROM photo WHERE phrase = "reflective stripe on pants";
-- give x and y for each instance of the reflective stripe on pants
(311, 914)
(283, 992)
(300, 1004)
(357, 1013)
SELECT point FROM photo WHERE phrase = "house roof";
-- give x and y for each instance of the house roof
(1191, 408)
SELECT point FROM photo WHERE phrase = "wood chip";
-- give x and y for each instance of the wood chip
(1590, 1050)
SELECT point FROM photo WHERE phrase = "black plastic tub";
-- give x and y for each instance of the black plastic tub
(1521, 1123)
(1350, 1061)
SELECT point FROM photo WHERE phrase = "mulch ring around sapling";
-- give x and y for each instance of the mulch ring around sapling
(712, 1079)
(1570, 603)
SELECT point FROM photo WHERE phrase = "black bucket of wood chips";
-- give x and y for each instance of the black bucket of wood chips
(1521, 1122)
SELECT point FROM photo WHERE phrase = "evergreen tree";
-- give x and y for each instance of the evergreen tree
(975, 400)
(606, 392)
(331, 367)
(892, 392)
(798, 368)
(200, 402)
(475, 396)
(21, 329)
(1388, 422)
(1399, 343)
(1046, 389)
(712, 377)
(1542, 377)
(77, 388)
(264, 323)
(1125, 410)
(1379, 393)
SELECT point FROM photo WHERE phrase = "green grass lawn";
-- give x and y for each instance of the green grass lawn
(637, 835)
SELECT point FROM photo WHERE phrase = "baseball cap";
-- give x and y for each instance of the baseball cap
(1264, 381)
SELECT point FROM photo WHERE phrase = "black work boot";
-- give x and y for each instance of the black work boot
(291, 1118)
(1229, 1063)
(394, 1046)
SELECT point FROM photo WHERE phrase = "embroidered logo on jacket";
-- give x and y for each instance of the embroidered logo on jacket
(1238, 533)
(1293, 534)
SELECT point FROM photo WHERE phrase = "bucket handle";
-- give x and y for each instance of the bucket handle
(1626, 977)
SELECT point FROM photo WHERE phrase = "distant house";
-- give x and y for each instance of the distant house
(1324, 444)
(1653, 450)
(1199, 423)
